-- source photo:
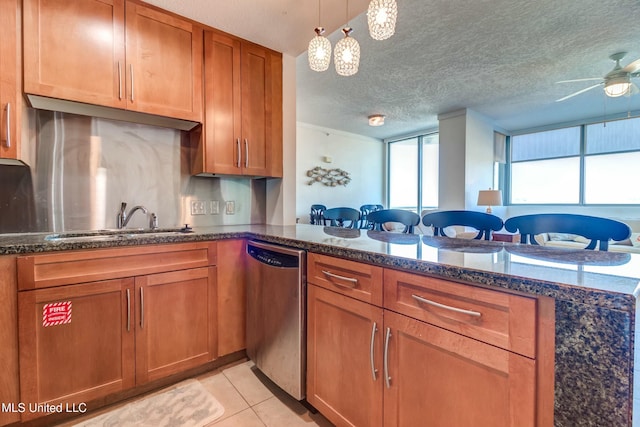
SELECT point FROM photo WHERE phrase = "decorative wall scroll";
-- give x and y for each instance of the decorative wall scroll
(328, 177)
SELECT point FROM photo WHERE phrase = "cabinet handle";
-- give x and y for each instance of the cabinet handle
(131, 73)
(447, 307)
(238, 147)
(387, 378)
(141, 308)
(353, 285)
(246, 153)
(373, 340)
(119, 80)
(9, 125)
(128, 310)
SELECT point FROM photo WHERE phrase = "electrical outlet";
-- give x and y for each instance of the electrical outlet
(215, 207)
(198, 207)
(230, 207)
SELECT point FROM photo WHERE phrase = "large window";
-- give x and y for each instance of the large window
(588, 164)
(413, 173)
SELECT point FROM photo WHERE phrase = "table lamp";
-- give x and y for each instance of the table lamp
(489, 198)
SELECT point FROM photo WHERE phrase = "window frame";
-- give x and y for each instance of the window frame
(419, 137)
(582, 155)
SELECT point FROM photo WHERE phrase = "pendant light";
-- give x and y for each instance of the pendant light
(381, 16)
(319, 50)
(347, 52)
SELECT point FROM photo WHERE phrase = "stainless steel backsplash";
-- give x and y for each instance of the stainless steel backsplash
(84, 167)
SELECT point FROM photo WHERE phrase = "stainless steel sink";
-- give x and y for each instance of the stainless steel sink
(110, 235)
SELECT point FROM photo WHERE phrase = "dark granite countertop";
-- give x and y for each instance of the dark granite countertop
(607, 279)
(594, 292)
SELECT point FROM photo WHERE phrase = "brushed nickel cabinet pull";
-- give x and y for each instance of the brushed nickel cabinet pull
(447, 307)
(373, 340)
(8, 125)
(131, 73)
(246, 153)
(119, 80)
(128, 310)
(239, 153)
(387, 377)
(141, 308)
(353, 282)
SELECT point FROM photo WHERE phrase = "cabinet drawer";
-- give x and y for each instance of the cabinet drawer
(64, 268)
(351, 278)
(498, 318)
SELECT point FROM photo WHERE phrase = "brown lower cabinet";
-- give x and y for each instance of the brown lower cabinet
(371, 366)
(84, 341)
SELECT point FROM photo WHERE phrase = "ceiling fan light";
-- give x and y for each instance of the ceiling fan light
(381, 17)
(346, 55)
(617, 86)
(319, 51)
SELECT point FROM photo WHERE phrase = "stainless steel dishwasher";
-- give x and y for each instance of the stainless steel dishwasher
(276, 333)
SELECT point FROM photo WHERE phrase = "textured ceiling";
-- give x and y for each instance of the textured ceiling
(500, 58)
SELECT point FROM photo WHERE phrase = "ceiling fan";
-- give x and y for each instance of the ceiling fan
(617, 82)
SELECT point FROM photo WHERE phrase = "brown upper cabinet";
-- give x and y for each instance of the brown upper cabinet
(243, 109)
(114, 53)
(9, 79)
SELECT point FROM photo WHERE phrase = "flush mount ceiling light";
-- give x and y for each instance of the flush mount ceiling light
(381, 16)
(376, 120)
(346, 55)
(319, 50)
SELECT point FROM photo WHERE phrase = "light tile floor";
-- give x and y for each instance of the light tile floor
(250, 399)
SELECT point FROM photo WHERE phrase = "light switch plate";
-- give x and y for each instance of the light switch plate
(198, 207)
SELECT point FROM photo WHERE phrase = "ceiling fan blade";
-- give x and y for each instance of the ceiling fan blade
(580, 80)
(578, 92)
(633, 67)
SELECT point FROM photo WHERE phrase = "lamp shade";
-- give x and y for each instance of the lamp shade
(346, 54)
(319, 51)
(489, 198)
(381, 17)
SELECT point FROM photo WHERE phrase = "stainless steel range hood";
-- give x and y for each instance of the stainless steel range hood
(64, 106)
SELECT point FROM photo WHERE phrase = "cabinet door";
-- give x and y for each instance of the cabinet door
(75, 50)
(257, 92)
(175, 322)
(164, 64)
(344, 348)
(440, 378)
(222, 132)
(76, 342)
(9, 79)
(232, 297)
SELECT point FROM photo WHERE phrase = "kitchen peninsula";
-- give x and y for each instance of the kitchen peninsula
(593, 294)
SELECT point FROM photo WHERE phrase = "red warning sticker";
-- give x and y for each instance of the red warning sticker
(57, 313)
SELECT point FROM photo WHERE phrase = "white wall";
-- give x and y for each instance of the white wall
(479, 158)
(452, 158)
(362, 157)
(466, 159)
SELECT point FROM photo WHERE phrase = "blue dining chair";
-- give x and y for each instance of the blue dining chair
(364, 211)
(598, 230)
(316, 214)
(342, 217)
(484, 223)
(407, 218)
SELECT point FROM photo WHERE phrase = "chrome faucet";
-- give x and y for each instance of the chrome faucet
(122, 219)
